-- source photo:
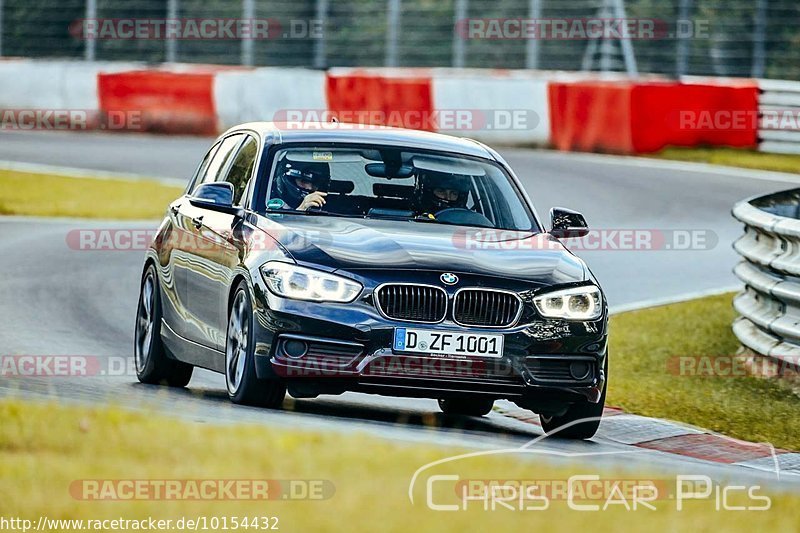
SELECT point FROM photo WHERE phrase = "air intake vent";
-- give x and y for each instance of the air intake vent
(414, 303)
(562, 369)
(486, 308)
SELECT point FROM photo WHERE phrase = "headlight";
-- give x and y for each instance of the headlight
(580, 303)
(300, 283)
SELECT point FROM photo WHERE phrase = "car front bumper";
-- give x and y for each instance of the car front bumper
(349, 348)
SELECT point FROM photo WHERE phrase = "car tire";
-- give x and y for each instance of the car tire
(241, 380)
(466, 406)
(153, 366)
(578, 430)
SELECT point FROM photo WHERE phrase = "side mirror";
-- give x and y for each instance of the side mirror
(217, 196)
(567, 223)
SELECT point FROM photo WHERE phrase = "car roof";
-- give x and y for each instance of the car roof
(327, 132)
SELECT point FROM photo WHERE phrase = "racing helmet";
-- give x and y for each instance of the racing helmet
(319, 174)
(455, 187)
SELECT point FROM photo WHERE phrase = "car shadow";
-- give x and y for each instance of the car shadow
(330, 407)
(338, 407)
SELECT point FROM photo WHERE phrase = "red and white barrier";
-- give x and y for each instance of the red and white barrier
(570, 111)
(161, 101)
(387, 97)
(29, 84)
(266, 94)
(512, 103)
(641, 117)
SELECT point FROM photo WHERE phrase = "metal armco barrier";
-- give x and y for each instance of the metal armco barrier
(769, 305)
(779, 110)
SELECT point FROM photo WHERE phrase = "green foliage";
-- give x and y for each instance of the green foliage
(734, 157)
(23, 193)
(644, 349)
(48, 449)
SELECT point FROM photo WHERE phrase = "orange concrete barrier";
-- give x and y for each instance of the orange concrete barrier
(591, 116)
(627, 117)
(367, 98)
(693, 115)
(165, 102)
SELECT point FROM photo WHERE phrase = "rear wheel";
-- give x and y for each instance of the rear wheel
(243, 384)
(466, 406)
(152, 364)
(570, 424)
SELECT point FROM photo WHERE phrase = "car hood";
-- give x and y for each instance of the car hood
(352, 244)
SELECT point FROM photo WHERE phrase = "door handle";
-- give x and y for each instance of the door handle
(174, 208)
(198, 222)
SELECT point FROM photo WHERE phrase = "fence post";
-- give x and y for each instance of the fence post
(627, 46)
(682, 52)
(1, 28)
(320, 59)
(392, 31)
(248, 13)
(532, 44)
(460, 10)
(89, 42)
(759, 35)
(170, 44)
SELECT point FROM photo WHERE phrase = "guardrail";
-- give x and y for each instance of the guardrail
(769, 305)
(779, 109)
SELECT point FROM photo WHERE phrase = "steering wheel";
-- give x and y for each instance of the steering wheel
(461, 215)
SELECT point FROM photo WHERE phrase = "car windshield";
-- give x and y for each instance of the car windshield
(396, 184)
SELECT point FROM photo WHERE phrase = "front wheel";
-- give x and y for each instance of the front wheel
(581, 420)
(152, 364)
(466, 406)
(243, 384)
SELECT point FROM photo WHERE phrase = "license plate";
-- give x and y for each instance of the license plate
(447, 342)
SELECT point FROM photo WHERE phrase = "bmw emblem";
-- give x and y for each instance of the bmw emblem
(448, 278)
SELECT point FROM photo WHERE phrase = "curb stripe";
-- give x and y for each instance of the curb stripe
(708, 447)
(682, 440)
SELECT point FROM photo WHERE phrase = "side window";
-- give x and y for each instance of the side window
(219, 160)
(201, 170)
(242, 168)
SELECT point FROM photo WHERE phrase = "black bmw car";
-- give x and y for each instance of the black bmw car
(327, 258)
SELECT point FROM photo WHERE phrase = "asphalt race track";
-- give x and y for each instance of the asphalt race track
(61, 301)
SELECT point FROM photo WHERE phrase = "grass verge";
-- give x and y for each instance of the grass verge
(645, 378)
(46, 449)
(32, 194)
(733, 157)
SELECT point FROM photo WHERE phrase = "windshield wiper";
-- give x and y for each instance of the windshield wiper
(309, 212)
(386, 217)
(435, 221)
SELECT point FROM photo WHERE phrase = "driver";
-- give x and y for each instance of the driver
(301, 185)
(437, 191)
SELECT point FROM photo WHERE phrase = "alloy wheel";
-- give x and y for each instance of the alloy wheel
(237, 342)
(145, 322)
